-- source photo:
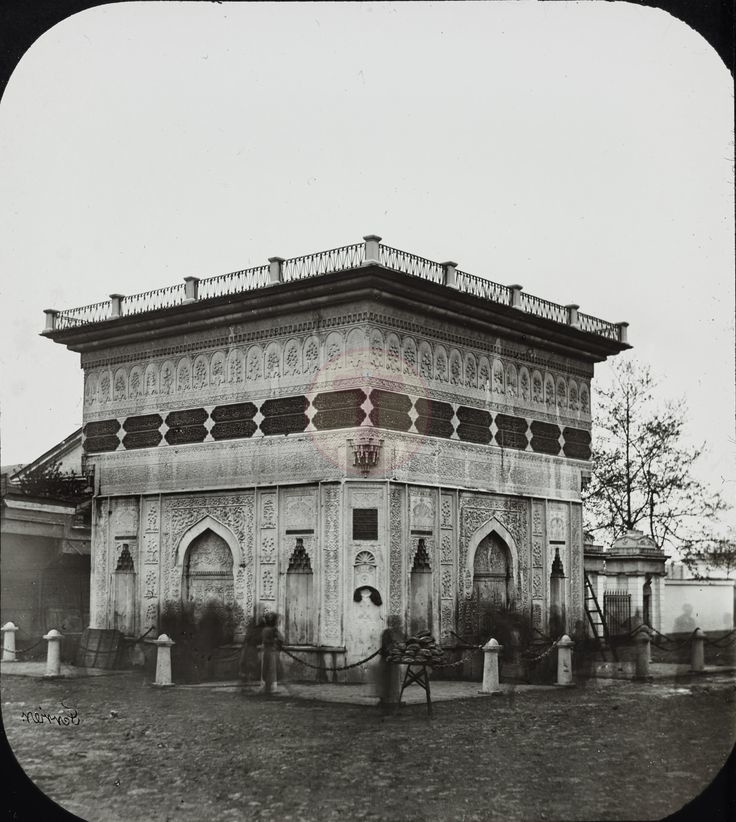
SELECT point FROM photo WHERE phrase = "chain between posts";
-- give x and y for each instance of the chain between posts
(29, 648)
(375, 654)
(332, 668)
(719, 643)
(676, 645)
(545, 653)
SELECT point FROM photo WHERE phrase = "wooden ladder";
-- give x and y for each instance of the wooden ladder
(597, 621)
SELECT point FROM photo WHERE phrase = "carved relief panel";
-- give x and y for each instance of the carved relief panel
(448, 565)
(396, 551)
(539, 573)
(331, 528)
(149, 570)
(268, 554)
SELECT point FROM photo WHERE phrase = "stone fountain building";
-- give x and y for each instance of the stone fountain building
(338, 438)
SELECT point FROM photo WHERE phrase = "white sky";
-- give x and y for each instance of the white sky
(583, 150)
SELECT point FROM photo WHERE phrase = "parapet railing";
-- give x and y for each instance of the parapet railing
(85, 315)
(411, 264)
(165, 297)
(543, 308)
(233, 283)
(323, 262)
(357, 255)
(480, 287)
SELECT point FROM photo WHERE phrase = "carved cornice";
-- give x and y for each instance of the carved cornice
(209, 343)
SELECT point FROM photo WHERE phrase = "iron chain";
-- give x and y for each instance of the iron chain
(332, 668)
(29, 648)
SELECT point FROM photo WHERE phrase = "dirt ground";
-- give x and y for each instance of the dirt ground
(611, 751)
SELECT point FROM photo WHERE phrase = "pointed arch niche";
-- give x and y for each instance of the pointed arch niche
(492, 563)
(299, 609)
(207, 557)
(420, 591)
(494, 526)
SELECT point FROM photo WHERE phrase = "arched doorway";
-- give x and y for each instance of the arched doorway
(208, 571)
(492, 584)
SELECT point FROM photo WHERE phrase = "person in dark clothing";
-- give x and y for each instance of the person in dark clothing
(388, 675)
(249, 668)
(271, 641)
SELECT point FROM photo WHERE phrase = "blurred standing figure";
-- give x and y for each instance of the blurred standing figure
(389, 675)
(271, 641)
(249, 663)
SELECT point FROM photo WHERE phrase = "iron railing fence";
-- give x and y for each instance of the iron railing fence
(480, 287)
(323, 262)
(411, 264)
(543, 308)
(84, 315)
(594, 325)
(326, 262)
(165, 297)
(233, 283)
(617, 612)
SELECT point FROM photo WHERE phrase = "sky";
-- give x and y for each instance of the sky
(584, 150)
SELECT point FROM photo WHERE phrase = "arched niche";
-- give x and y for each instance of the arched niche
(299, 611)
(493, 526)
(209, 523)
(420, 591)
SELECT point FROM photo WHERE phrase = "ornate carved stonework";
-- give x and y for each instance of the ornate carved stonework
(396, 576)
(268, 548)
(235, 511)
(446, 583)
(537, 519)
(210, 369)
(268, 511)
(475, 511)
(332, 528)
(446, 512)
(576, 550)
(446, 554)
(267, 584)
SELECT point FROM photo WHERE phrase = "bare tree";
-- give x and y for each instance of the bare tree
(642, 471)
(710, 555)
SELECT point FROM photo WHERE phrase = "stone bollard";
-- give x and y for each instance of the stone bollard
(643, 654)
(163, 661)
(491, 681)
(53, 653)
(697, 651)
(9, 630)
(564, 647)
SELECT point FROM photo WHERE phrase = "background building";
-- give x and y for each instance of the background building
(45, 548)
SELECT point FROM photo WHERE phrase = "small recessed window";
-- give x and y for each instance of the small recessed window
(365, 523)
